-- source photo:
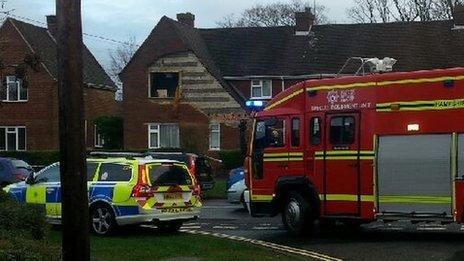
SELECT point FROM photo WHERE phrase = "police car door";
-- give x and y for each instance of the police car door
(46, 190)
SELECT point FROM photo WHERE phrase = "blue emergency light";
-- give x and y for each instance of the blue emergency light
(255, 105)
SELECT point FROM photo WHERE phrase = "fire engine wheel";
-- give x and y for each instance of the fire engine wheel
(296, 216)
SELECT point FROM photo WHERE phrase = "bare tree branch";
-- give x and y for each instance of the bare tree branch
(122, 55)
(274, 14)
(373, 11)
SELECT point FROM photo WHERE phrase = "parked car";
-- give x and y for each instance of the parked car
(122, 191)
(236, 186)
(13, 170)
(198, 165)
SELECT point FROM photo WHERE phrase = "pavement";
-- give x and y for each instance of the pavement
(375, 241)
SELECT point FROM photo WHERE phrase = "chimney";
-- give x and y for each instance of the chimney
(458, 15)
(51, 24)
(304, 22)
(187, 19)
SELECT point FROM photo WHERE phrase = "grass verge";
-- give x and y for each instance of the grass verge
(148, 244)
(218, 191)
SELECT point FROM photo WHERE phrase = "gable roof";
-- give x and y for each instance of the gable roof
(169, 37)
(42, 42)
(277, 51)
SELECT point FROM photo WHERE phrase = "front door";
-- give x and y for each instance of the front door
(341, 159)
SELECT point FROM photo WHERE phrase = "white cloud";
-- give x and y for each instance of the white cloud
(119, 19)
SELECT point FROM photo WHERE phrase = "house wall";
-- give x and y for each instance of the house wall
(40, 113)
(98, 103)
(37, 113)
(200, 93)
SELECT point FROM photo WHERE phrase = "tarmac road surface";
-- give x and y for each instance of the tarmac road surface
(375, 241)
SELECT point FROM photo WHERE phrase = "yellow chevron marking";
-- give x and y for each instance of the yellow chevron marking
(279, 102)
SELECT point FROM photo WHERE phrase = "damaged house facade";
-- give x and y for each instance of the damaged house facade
(29, 89)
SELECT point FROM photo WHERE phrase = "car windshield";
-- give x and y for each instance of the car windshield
(20, 164)
(168, 175)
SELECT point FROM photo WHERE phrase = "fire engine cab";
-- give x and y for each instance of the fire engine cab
(361, 148)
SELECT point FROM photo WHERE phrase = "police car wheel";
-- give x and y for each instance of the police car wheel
(296, 215)
(102, 219)
(170, 226)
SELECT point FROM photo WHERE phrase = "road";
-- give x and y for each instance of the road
(376, 241)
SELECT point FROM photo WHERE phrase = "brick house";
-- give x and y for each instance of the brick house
(29, 88)
(186, 84)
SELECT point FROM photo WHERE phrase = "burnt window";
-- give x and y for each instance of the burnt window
(342, 130)
(163, 85)
(114, 172)
(315, 131)
(295, 132)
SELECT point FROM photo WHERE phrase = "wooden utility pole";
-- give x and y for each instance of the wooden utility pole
(75, 211)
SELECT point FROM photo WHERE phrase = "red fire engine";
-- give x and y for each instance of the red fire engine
(361, 148)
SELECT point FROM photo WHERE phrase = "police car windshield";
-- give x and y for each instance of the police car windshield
(168, 175)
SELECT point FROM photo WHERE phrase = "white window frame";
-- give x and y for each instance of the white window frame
(218, 131)
(99, 142)
(260, 85)
(150, 131)
(19, 83)
(16, 131)
(157, 131)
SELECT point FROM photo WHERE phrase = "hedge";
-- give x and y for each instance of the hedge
(231, 159)
(24, 232)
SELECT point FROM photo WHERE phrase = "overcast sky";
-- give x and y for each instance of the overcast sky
(120, 19)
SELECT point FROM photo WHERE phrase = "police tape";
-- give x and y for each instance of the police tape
(281, 248)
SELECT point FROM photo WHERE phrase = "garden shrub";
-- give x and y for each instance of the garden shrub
(23, 232)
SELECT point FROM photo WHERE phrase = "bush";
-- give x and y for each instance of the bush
(26, 220)
(43, 158)
(23, 232)
(111, 130)
(231, 159)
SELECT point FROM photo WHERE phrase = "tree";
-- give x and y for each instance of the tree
(273, 14)
(374, 11)
(122, 55)
(119, 58)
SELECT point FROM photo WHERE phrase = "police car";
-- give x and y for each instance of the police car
(122, 191)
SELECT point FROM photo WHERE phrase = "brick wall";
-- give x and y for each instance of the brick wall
(40, 113)
(200, 93)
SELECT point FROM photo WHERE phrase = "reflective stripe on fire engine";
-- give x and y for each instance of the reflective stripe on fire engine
(345, 155)
(286, 156)
(421, 105)
(389, 199)
(346, 197)
(364, 85)
(416, 199)
(384, 83)
(277, 103)
(262, 198)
